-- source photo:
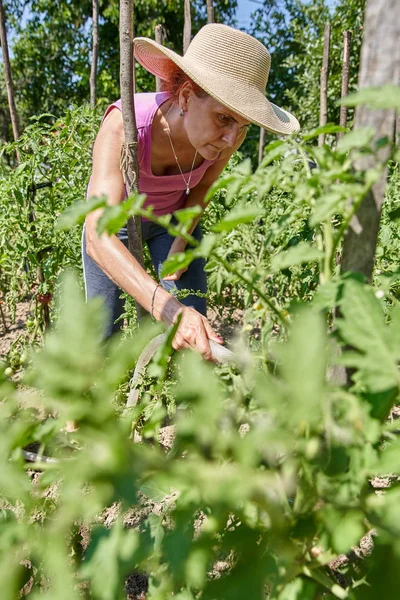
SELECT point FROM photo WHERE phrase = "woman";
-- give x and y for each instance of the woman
(186, 136)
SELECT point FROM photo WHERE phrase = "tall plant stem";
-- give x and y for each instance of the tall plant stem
(328, 261)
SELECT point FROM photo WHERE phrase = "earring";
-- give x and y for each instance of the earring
(182, 113)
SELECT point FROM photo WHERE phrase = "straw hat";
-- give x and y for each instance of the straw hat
(228, 64)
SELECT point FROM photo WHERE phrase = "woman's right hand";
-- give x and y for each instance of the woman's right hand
(194, 332)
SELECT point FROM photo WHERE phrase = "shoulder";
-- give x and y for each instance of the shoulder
(144, 102)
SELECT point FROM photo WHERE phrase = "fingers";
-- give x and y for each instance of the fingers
(211, 334)
(195, 332)
(174, 276)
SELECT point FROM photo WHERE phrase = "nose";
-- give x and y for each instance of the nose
(229, 136)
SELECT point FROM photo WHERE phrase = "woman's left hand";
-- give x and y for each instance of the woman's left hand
(175, 276)
(178, 245)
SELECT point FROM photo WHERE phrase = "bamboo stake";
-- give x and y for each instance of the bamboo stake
(210, 11)
(323, 115)
(345, 79)
(95, 52)
(8, 78)
(187, 27)
(159, 40)
(129, 151)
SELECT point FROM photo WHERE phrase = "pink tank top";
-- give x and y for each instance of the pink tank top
(166, 193)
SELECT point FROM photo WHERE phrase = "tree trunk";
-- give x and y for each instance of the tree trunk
(210, 11)
(380, 60)
(323, 113)
(345, 79)
(129, 151)
(159, 40)
(187, 27)
(95, 52)
(8, 77)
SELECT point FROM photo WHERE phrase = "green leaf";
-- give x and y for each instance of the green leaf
(327, 205)
(298, 589)
(299, 254)
(221, 183)
(329, 128)
(359, 138)
(303, 364)
(386, 96)
(326, 295)
(179, 260)
(348, 531)
(363, 327)
(112, 219)
(109, 555)
(185, 215)
(238, 216)
(77, 213)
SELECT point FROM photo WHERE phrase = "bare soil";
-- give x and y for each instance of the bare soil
(13, 329)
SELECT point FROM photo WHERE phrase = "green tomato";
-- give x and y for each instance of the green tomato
(24, 358)
(9, 372)
(30, 323)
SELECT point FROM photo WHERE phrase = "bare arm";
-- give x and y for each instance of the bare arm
(115, 259)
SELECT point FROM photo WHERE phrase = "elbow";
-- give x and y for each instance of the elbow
(90, 239)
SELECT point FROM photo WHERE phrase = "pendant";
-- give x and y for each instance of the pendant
(187, 191)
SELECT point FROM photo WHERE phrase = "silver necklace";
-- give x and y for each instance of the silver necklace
(187, 182)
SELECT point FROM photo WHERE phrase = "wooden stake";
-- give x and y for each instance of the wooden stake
(345, 79)
(210, 11)
(261, 145)
(8, 77)
(323, 114)
(187, 27)
(159, 40)
(129, 152)
(95, 52)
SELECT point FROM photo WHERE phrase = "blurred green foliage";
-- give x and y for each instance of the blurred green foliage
(269, 476)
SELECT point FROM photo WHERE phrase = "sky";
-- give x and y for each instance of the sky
(246, 7)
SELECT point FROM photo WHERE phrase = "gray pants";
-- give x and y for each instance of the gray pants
(159, 243)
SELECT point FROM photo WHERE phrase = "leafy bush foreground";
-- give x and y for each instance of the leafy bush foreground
(269, 473)
(269, 470)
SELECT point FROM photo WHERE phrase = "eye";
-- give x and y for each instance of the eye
(224, 119)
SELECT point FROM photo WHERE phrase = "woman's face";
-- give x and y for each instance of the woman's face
(210, 126)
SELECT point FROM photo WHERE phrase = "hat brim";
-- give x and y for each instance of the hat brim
(244, 100)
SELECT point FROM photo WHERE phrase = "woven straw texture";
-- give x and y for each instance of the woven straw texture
(228, 64)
